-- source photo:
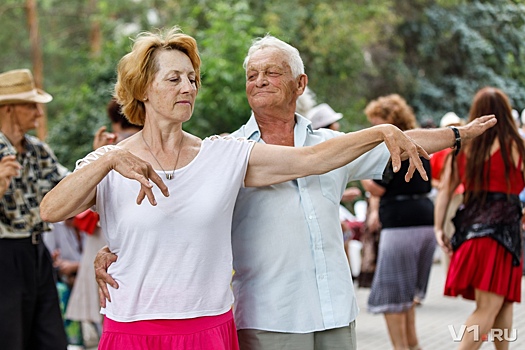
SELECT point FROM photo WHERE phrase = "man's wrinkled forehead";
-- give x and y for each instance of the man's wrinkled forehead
(265, 66)
(268, 57)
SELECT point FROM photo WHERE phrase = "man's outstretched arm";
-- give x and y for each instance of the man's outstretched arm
(433, 140)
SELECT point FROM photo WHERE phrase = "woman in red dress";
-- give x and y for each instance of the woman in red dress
(486, 248)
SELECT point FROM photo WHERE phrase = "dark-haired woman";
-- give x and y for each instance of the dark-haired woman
(486, 259)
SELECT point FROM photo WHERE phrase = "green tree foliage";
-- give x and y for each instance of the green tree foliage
(434, 53)
(332, 37)
(14, 36)
(228, 30)
(453, 50)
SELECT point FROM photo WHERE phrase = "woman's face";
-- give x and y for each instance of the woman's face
(378, 121)
(173, 90)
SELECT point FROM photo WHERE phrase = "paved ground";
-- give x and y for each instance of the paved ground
(432, 319)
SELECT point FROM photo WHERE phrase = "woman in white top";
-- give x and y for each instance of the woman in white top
(174, 254)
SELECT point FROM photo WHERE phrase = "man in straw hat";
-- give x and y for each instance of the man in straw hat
(29, 310)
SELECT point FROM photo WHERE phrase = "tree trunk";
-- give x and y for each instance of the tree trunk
(95, 35)
(36, 58)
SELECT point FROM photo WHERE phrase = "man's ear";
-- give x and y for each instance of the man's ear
(302, 81)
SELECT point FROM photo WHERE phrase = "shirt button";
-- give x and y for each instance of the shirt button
(310, 217)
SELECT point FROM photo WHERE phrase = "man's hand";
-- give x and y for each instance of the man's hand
(476, 127)
(433, 140)
(350, 194)
(103, 138)
(9, 168)
(102, 262)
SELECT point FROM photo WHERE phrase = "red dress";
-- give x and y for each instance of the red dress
(483, 263)
(437, 161)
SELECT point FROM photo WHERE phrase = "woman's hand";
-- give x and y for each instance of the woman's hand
(135, 168)
(402, 147)
(443, 241)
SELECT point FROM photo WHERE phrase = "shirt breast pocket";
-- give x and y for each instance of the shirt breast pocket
(330, 188)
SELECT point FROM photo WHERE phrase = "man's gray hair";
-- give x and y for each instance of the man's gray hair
(269, 41)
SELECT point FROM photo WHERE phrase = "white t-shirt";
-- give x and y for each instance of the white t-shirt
(174, 259)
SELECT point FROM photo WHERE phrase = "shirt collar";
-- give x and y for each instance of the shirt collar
(251, 129)
(303, 127)
(10, 147)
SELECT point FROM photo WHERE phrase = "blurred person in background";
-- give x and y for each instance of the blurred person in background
(517, 120)
(323, 116)
(30, 315)
(486, 248)
(305, 102)
(407, 243)
(65, 243)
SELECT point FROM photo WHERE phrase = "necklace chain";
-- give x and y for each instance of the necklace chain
(168, 176)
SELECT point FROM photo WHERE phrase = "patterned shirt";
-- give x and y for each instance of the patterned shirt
(20, 205)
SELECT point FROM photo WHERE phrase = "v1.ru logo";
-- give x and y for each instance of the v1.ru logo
(499, 334)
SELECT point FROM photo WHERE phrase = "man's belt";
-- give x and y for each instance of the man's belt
(36, 237)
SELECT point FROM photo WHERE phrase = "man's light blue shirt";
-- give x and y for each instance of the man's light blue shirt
(291, 271)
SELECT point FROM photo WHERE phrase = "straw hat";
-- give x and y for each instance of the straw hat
(18, 86)
(322, 115)
(449, 118)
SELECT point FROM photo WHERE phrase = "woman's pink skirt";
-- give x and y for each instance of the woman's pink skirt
(201, 333)
(484, 264)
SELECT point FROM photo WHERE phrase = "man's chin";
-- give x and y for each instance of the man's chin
(260, 101)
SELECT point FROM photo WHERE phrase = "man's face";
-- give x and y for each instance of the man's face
(269, 80)
(26, 115)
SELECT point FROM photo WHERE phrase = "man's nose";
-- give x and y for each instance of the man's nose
(262, 80)
(39, 110)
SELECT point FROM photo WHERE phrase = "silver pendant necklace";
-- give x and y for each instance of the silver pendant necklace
(168, 175)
